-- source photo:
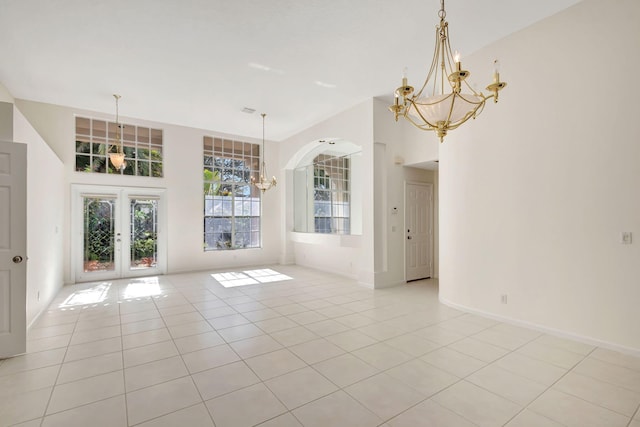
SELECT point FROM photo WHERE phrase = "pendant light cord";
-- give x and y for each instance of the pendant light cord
(118, 139)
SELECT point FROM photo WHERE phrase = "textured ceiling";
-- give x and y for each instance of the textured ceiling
(199, 62)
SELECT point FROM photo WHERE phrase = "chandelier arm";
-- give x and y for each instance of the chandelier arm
(448, 52)
(473, 101)
(421, 126)
(473, 113)
(434, 66)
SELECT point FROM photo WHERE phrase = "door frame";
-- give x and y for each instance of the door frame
(431, 226)
(122, 195)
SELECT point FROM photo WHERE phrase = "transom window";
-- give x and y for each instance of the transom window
(231, 203)
(95, 139)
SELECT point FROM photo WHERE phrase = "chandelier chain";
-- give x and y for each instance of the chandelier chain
(117, 97)
(442, 14)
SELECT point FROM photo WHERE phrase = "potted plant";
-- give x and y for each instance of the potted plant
(145, 248)
(91, 263)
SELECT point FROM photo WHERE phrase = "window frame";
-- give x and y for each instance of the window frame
(228, 195)
(332, 188)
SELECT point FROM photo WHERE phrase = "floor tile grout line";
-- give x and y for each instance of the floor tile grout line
(550, 387)
(635, 414)
(524, 407)
(408, 313)
(164, 415)
(615, 364)
(172, 339)
(606, 381)
(124, 378)
(55, 383)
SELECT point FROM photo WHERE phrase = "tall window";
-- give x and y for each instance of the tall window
(331, 194)
(231, 203)
(95, 139)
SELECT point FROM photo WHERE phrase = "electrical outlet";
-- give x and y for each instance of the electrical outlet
(625, 238)
(503, 298)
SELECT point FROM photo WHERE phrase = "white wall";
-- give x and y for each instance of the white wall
(347, 255)
(397, 143)
(5, 96)
(535, 192)
(6, 121)
(45, 209)
(182, 181)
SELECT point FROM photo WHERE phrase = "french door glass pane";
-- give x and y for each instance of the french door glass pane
(99, 234)
(144, 233)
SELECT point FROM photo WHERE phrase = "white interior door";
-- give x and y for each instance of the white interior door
(13, 248)
(419, 231)
(117, 232)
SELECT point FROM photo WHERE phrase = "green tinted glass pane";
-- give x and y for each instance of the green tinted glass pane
(129, 167)
(156, 169)
(100, 149)
(83, 147)
(99, 164)
(142, 168)
(155, 154)
(143, 153)
(83, 163)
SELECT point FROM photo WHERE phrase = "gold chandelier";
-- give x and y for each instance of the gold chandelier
(441, 105)
(263, 184)
(117, 158)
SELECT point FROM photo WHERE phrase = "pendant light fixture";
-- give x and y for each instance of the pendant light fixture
(445, 100)
(263, 184)
(117, 158)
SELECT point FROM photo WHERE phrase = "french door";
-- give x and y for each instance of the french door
(117, 232)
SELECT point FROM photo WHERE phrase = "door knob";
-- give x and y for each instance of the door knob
(17, 259)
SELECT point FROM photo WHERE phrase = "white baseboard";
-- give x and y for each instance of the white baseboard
(552, 331)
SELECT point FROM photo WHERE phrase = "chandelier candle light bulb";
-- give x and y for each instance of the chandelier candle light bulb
(453, 101)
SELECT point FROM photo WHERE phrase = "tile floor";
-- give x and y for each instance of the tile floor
(316, 350)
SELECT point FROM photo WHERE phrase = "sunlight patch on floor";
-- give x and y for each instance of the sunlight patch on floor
(250, 277)
(93, 295)
(143, 287)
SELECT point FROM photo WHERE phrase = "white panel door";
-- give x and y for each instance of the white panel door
(419, 231)
(13, 248)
